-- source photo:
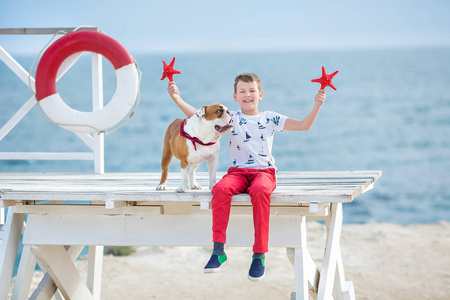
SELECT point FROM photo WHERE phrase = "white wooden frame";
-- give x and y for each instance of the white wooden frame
(94, 141)
(135, 209)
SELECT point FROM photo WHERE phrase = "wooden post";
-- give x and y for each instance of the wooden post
(10, 245)
(47, 288)
(97, 98)
(24, 274)
(94, 275)
(95, 258)
(332, 250)
(63, 271)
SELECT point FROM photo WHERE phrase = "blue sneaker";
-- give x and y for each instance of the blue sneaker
(257, 269)
(215, 263)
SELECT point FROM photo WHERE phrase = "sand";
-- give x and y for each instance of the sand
(384, 261)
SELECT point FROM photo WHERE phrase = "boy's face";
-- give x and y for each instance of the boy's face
(248, 96)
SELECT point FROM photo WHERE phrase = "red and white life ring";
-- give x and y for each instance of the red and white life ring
(65, 116)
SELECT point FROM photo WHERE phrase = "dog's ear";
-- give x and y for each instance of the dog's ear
(201, 112)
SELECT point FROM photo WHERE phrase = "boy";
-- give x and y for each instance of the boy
(253, 169)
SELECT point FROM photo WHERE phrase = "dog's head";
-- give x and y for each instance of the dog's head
(218, 116)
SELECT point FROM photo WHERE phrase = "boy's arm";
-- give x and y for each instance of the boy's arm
(297, 125)
(188, 109)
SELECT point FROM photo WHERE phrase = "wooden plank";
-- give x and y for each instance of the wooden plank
(14, 66)
(47, 288)
(118, 230)
(63, 271)
(340, 187)
(46, 155)
(24, 274)
(90, 210)
(332, 252)
(10, 244)
(94, 275)
(15, 119)
(301, 264)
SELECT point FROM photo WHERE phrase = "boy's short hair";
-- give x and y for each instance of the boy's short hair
(247, 77)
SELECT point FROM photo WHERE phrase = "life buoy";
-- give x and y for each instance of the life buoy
(65, 116)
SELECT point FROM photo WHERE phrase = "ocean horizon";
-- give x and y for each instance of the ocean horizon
(390, 113)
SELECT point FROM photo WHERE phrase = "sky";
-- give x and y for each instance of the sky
(254, 25)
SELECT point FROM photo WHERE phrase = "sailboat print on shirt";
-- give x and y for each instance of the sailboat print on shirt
(247, 137)
(261, 126)
(261, 151)
(250, 160)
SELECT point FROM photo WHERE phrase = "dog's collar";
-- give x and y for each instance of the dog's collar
(192, 139)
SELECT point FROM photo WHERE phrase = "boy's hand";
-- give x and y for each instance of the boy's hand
(172, 89)
(320, 96)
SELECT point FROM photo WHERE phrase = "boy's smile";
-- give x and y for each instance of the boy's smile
(248, 96)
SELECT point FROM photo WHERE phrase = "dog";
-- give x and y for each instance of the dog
(194, 140)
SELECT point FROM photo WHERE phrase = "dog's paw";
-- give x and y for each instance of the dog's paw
(161, 187)
(195, 187)
(180, 190)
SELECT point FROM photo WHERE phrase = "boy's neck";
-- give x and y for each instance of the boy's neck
(251, 112)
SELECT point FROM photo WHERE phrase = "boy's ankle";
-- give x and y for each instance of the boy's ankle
(219, 248)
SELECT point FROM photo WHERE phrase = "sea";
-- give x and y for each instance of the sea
(390, 112)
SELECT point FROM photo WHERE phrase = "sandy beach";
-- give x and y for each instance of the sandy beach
(385, 261)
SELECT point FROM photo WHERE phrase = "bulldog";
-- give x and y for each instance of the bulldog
(194, 140)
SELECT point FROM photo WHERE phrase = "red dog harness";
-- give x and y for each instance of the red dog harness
(192, 139)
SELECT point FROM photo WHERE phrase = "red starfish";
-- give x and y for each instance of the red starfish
(325, 80)
(168, 70)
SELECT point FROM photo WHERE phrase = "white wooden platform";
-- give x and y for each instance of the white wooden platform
(65, 212)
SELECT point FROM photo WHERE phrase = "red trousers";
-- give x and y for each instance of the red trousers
(259, 184)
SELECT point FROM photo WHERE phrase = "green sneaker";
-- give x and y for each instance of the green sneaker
(215, 263)
(257, 269)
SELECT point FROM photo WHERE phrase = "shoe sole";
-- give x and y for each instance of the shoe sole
(215, 270)
(256, 279)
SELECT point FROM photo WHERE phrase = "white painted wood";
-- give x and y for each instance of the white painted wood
(142, 187)
(332, 250)
(97, 143)
(204, 205)
(16, 67)
(24, 274)
(12, 122)
(87, 138)
(111, 204)
(301, 277)
(343, 289)
(63, 271)
(89, 210)
(47, 288)
(97, 101)
(94, 276)
(314, 207)
(46, 156)
(10, 244)
(151, 221)
(117, 230)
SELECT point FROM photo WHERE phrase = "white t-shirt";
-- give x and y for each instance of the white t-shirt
(252, 137)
